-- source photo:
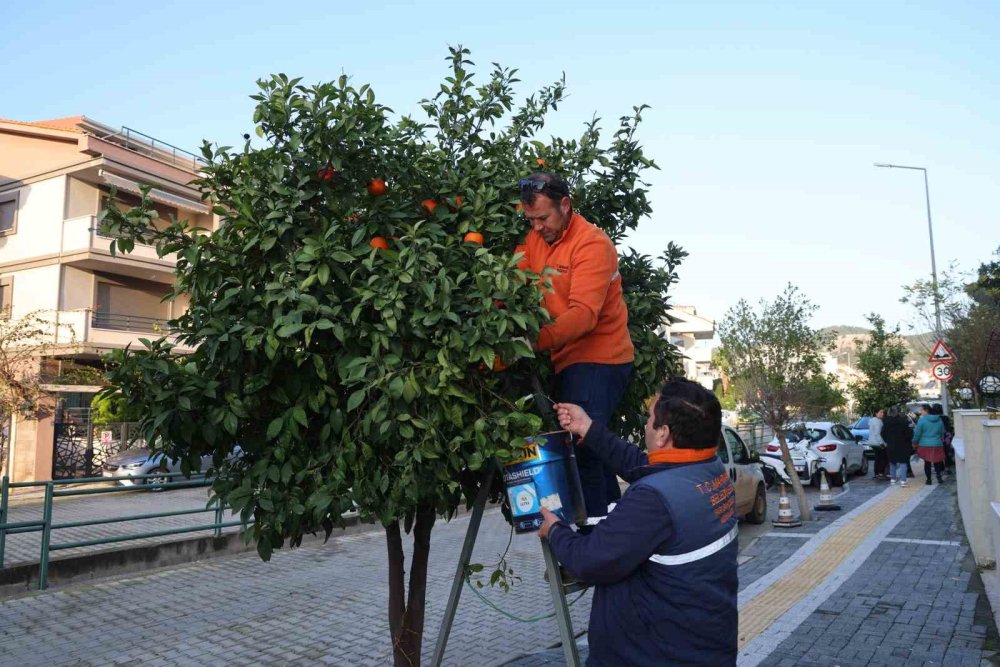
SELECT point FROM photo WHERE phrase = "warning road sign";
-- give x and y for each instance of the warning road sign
(941, 353)
(942, 372)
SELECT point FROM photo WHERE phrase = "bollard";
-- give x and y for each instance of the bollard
(826, 503)
(785, 517)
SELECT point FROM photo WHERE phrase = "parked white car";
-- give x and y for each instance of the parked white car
(748, 477)
(823, 445)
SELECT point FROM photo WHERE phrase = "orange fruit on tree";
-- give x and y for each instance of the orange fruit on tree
(379, 243)
(540, 162)
(377, 187)
(498, 365)
(517, 206)
(473, 237)
(326, 174)
(458, 201)
(429, 206)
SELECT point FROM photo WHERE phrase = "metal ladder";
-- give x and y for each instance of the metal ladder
(557, 588)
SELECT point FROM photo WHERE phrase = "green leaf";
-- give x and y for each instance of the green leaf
(290, 329)
(355, 400)
(274, 428)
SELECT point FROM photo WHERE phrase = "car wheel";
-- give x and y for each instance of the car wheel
(840, 477)
(759, 512)
(864, 466)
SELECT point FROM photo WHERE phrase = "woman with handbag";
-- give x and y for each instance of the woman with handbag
(928, 439)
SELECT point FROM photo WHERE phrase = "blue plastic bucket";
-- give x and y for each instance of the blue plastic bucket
(546, 476)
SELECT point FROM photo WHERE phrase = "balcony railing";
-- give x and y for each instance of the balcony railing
(123, 322)
(144, 144)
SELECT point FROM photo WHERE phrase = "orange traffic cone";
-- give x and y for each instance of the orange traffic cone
(785, 517)
(826, 503)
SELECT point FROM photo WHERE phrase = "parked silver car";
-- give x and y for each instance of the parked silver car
(142, 461)
(834, 447)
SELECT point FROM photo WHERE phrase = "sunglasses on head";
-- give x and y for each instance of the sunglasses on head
(536, 185)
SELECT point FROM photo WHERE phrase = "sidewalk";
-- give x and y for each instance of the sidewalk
(887, 581)
(319, 604)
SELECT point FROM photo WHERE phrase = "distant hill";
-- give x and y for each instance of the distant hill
(919, 344)
(843, 330)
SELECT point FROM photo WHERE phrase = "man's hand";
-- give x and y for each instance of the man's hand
(573, 418)
(550, 520)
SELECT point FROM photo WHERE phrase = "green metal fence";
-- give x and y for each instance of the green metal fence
(756, 436)
(53, 489)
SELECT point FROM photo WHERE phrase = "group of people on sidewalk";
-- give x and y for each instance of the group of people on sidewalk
(896, 442)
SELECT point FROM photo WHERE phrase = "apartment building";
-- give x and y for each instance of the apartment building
(55, 176)
(694, 336)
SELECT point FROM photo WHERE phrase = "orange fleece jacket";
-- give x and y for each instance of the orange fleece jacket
(590, 318)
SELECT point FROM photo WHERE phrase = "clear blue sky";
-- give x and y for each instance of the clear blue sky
(766, 117)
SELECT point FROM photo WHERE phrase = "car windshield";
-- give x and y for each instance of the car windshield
(861, 423)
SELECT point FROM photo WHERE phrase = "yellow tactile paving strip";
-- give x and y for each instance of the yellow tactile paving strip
(771, 604)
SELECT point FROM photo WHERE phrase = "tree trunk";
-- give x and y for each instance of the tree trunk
(786, 456)
(406, 610)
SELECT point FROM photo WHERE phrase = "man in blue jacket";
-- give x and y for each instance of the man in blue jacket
(664, 560)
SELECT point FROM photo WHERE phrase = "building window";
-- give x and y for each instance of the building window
(8, 213)
(6, 296)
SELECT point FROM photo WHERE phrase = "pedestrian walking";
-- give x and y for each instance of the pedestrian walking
(928, 439)
(949, 434)
(877, 444)
(898, 447)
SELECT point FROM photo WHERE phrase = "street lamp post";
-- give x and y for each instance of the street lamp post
(934, 281)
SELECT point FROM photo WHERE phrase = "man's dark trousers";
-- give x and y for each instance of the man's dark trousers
(597, 388)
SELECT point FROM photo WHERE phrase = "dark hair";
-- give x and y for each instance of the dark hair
(552, 187)
(894, 411)
(937, 409)
(927, 407)
(692, 412)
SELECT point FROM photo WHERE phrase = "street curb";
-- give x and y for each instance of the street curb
(22, 579)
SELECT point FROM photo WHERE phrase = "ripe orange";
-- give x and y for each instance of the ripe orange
(473, 237)
(326, 174)
(498, 365)
(429, 206)
(540, 162)
(458, 201)
(379, 243)
(377, 187)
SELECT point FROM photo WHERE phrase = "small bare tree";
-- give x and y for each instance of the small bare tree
(774, 362)
(24, 342)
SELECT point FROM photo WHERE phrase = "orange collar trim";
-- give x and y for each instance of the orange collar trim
(681, 455)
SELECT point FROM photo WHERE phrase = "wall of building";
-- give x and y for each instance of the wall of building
(39, 219)
(82, 198)
(35, 289)
(23, 157)
(76, 289)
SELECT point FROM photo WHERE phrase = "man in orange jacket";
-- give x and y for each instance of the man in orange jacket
(588, 337)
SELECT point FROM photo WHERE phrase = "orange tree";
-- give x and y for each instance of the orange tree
(346, 334)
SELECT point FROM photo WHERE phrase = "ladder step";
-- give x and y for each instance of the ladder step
(574, 587)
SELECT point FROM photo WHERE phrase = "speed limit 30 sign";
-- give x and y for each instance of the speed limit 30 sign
(942, 372)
